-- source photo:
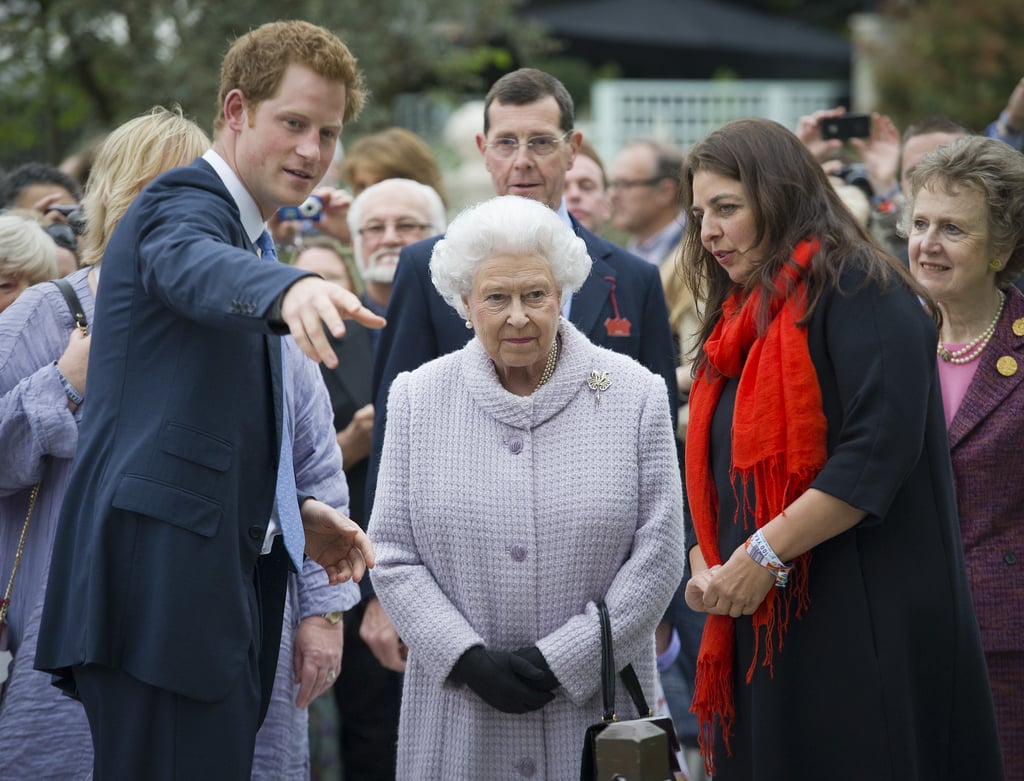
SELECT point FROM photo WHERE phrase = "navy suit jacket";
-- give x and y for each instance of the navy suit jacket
(174, 478)
(422, 326)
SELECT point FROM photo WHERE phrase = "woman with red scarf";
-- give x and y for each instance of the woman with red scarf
(840, 641)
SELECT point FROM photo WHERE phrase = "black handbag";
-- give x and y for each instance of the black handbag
(588, 766)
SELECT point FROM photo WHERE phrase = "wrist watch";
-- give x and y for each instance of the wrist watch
(334, 617)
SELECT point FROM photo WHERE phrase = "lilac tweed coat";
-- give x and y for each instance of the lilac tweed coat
(986, 437)
(500, 520)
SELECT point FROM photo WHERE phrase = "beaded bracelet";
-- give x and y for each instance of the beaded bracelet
(761, 552)
(69, 389)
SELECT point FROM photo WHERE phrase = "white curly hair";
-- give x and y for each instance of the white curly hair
(507, 224)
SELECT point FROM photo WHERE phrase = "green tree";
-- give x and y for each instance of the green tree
(961, 60)
(70, 69)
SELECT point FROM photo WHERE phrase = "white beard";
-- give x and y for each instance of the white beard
(374, 270)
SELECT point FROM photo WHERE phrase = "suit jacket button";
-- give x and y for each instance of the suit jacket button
(257, 532)
(517, 552)
(1010, 557)
(515, 446)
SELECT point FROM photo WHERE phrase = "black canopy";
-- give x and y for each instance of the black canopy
(693, 39)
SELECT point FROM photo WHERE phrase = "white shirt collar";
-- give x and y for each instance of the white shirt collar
(657, 248)
(563, 212)
(252, 222)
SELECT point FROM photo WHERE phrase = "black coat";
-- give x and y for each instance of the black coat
(883, 677)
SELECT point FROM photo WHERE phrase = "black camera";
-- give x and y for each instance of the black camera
(846, 126)
(63, 235)
(72, 213)
(857, 175)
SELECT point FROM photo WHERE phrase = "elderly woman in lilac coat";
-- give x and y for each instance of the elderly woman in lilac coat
(43, 733)
(524, 478)
(964, 218)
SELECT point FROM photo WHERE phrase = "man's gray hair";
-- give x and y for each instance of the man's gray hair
(436, 215)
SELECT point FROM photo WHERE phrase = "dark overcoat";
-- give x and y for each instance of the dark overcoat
(883, 675)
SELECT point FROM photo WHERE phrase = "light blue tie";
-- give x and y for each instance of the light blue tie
(286, 496)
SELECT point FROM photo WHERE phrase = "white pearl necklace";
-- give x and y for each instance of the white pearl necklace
(973, 349)
(549, 365)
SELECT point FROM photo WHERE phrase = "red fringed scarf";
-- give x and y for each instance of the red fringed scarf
(778, 441)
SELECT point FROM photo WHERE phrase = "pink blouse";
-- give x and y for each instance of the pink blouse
(954, 378)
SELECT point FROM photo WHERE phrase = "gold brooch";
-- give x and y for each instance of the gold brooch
(597, 382)
(1006, 366)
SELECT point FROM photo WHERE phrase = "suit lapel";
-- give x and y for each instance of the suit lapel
(275, 346)
(589, 302)
(990, 387)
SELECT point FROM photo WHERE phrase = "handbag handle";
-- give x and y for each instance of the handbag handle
(607, 664)
(628, 674)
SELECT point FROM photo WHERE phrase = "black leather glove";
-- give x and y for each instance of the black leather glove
(500, 678)
(532, 654)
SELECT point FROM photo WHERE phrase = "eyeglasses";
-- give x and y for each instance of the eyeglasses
(405, 229)
(625, 184)
(542, 146)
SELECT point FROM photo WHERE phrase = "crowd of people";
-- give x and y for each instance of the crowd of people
(335, 492)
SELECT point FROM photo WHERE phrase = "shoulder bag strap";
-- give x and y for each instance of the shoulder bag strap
(6, 601)
(77, 312)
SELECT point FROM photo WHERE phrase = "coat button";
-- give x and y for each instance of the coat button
(517, 552)
(257, 532)
(1010, 557)
(526, 767)
(515, 446)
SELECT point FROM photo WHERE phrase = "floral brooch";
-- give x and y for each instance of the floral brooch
(598, 382)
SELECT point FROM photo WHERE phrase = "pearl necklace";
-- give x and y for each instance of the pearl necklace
(549, 366)
(973, 349)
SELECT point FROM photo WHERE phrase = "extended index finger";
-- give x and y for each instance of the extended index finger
(349, 306)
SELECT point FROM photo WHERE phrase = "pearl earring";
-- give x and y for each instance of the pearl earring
(469, 326)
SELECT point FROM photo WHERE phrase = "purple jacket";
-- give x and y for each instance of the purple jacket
(985, 438)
